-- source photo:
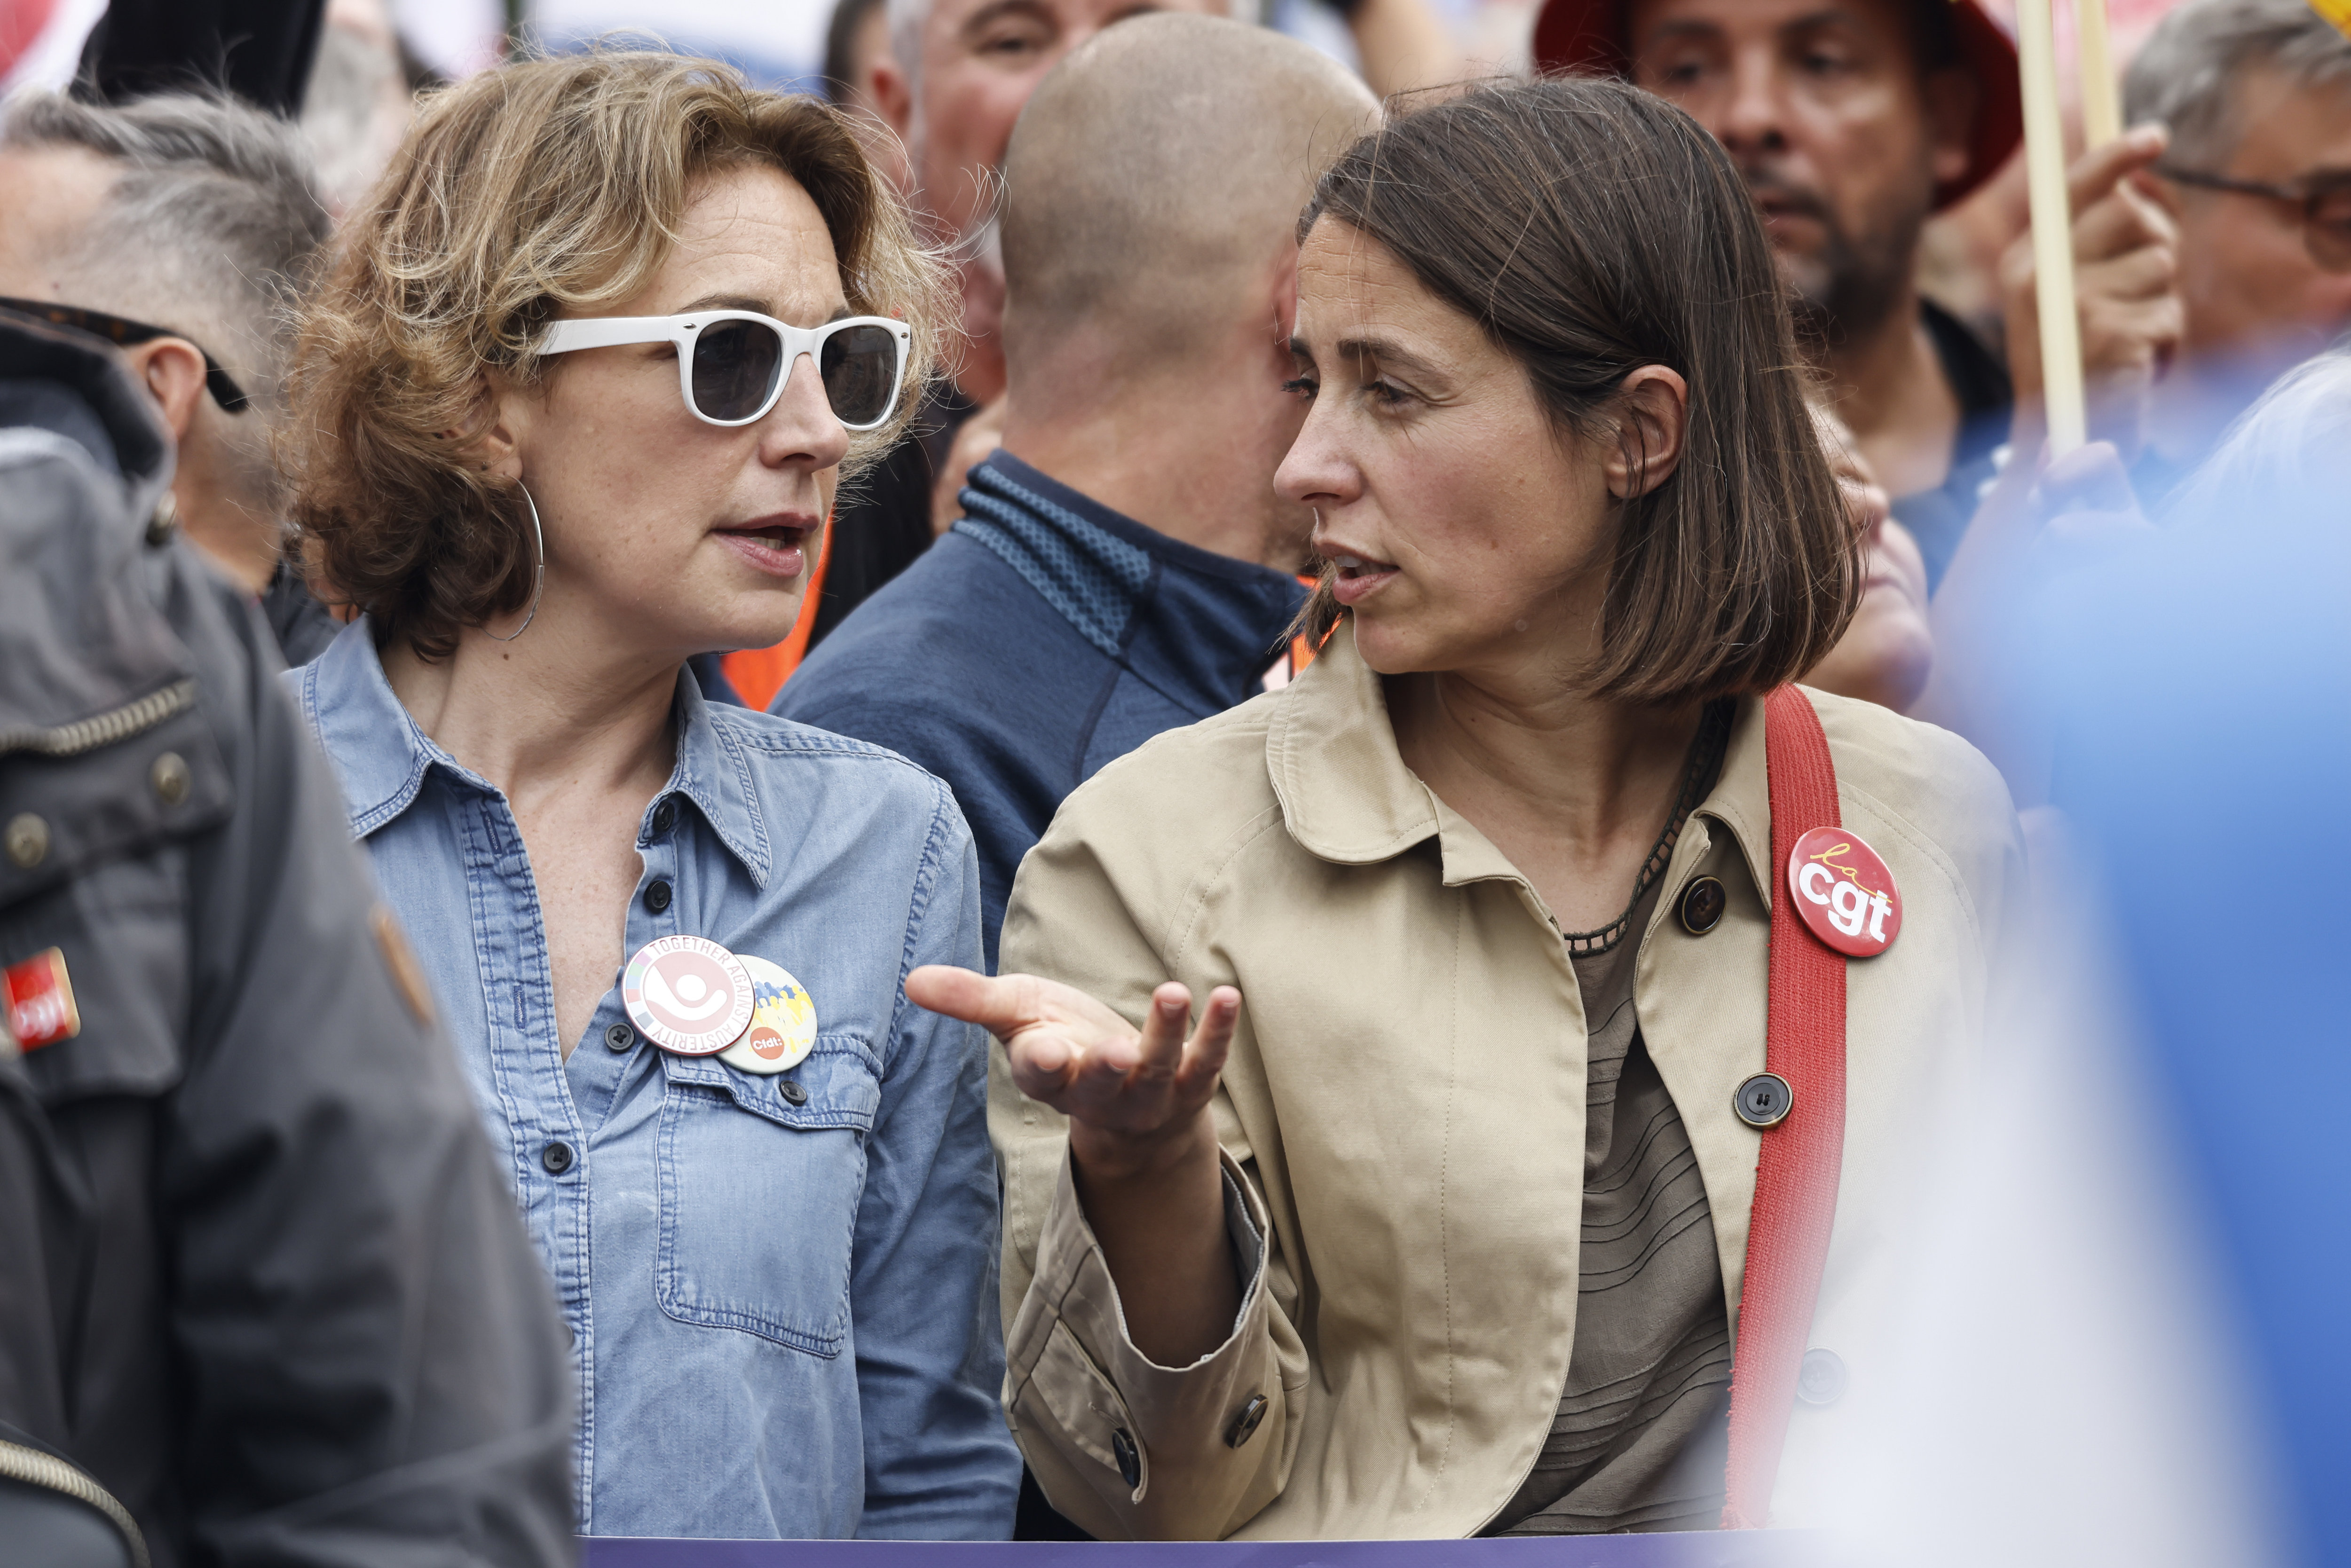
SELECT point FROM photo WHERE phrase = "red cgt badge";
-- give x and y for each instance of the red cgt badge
(41, 1009)
(1845, 893)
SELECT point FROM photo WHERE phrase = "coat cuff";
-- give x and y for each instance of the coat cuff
(1123, 1446)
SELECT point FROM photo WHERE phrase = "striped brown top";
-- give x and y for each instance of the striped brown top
(1639, 1440)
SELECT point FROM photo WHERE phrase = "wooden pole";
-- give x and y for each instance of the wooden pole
(2053, 228)
(2102, 100)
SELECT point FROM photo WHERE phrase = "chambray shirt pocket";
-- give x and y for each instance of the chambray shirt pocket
(758, 1197)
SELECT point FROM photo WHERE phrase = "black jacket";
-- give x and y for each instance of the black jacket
(259, 1274)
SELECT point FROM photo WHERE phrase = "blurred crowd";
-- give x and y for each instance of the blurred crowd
(1065, 797)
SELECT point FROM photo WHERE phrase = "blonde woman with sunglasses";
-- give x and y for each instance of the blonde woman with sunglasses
(571, 410)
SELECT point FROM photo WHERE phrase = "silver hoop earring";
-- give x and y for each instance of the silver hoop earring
(539, 583)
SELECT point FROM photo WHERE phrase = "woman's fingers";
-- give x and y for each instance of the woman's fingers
(1151, 1080)
(1124, 1076)
(1161, 1053)
(1204, 1058)
(1007, 1004)
(1053, 1033)
(1044, 1068)
(963, 994)
(1071, 1053)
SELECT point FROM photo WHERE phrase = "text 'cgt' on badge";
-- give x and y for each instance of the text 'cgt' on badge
(1844, 892)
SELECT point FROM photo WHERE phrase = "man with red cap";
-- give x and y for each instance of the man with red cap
(1853, 121)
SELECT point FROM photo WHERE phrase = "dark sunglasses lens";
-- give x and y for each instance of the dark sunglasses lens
(859, 366)
(2328, 228)
(736, 364)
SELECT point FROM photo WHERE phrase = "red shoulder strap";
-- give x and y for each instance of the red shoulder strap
(1796, 1175)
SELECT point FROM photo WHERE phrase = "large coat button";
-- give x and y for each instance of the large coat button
(1244, 1424)
(1130, 1462)
(1821, 1377)
(1764, 1100)
(1702, 904)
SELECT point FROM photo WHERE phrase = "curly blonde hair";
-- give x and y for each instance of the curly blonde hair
(549, 186)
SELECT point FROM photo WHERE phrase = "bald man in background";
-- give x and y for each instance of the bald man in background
(950, 85)
(1124, 567)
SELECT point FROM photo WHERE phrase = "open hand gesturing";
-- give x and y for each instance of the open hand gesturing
(1129, 1095)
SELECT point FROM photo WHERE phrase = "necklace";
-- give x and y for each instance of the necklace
(1706, 755)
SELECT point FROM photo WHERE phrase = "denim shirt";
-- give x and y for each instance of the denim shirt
(781, 1290)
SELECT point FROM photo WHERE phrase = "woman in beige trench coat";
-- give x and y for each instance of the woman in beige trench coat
(1444, 1234)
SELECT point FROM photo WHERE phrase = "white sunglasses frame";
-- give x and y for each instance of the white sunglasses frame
(620, 331)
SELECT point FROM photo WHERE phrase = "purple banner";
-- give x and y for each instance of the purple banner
(1736, 1548)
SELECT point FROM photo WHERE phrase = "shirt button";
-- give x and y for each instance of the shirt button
(1821, 1377)
(794, 1093)
(1702, 904)
(657, 897)
(28, 840)
(556, 1157)
(664, 817)
(619, 1037)
(1764, 1100)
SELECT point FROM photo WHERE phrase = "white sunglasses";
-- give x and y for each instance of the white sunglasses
(731, 365)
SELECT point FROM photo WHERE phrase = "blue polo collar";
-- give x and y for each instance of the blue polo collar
(1170, 611)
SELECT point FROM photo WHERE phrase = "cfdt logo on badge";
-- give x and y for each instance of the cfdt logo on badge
(783, 1021)
(1845, 893)
(688, 995)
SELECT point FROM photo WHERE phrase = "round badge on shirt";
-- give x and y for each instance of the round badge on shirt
(688, 995)
(1845, 893)
(783, 1021)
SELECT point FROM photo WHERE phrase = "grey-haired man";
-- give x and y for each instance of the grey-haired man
(2257, 95)
(181, 227)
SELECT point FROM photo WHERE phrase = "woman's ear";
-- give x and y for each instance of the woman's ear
(1652, 415)
(497, 449)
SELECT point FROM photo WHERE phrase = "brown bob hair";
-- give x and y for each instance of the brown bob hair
(1590, 229)
(551, 185)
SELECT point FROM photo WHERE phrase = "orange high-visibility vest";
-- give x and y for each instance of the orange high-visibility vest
(759, 674)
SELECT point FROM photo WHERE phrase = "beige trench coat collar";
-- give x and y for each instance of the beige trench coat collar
(1347, 796)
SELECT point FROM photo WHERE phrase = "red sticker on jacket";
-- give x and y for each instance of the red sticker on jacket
(40, 998)
(1844, 891)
